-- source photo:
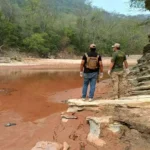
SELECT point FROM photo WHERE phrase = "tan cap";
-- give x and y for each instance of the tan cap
(92, 46)
(116, 45)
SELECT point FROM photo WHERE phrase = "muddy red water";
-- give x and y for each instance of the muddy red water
(37, 93)
(28, 92)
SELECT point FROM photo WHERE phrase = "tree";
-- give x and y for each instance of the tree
(10, 33)
(140, 4)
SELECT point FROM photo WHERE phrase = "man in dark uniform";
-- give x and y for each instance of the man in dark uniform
(92, 67)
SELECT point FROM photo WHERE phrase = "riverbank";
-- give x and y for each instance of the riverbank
(32, 103)
(58, 63)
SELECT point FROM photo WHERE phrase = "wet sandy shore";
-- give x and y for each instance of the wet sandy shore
(59, 63)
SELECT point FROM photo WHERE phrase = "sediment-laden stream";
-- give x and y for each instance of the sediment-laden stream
(28, 92)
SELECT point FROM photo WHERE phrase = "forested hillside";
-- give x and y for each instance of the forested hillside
(51, 26)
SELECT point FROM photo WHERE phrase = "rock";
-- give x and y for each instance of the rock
(143, 78)
(143, 83)
(5, 60)
(10, 124)
(69, 117)
(66, 146)
(140, 74)
(78, 104)
(96, 124)
(47, 146)
(82, 146)
(136, 126)
(96, 141)
(16, 58)
(139, 97)
(74, 109)
(115, 127)
(51, 56)
(146, 49)
(138, 92)
(137, 118)
(64, 120)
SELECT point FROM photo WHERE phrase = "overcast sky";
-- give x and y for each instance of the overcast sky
(118, 6)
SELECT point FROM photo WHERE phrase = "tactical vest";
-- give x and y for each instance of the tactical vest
(92, 62)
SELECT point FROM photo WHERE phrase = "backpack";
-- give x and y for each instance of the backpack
(92, 62)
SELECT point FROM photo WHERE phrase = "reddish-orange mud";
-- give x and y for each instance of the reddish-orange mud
(33, 99)
(24, 136)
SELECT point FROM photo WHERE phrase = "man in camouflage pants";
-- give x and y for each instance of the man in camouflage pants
(116, 70)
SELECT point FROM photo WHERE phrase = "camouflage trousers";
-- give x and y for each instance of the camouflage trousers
(119, 81)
